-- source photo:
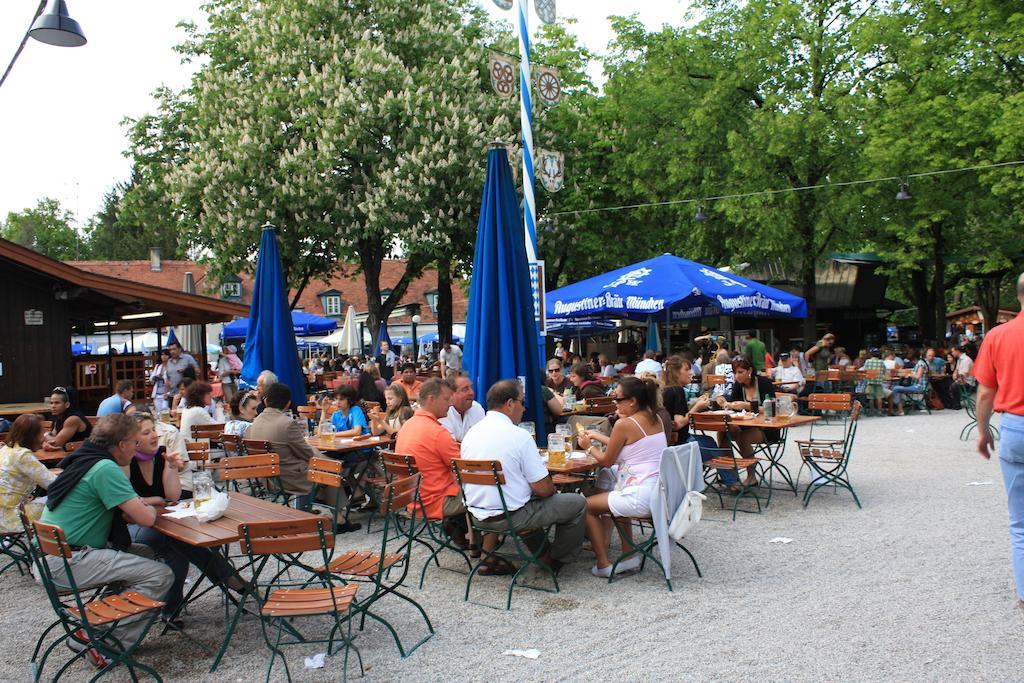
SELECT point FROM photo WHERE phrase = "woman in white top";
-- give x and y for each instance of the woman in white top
(243, 412)
(634, 448)
(158, 378)
(198, 396)
(723, 366)
(607, 369)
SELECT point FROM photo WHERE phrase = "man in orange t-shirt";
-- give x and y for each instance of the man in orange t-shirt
(409, 382)
(999, 370)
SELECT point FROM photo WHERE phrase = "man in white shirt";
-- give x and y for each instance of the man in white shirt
(528, 491)
(962, 370)
(464, 411)
(788, 374)
(451, 357)
(648, 364)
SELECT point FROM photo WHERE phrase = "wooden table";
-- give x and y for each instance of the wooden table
(241, 509)
(221, 532)
(15, 409)
(574, 466)
(347, 445)
(773, 451)
(49, 457)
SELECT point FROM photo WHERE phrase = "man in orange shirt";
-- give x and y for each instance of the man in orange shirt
(1000, 373)
(409, 382)
(425, 439)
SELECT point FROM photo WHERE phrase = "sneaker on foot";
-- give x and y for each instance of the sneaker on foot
(601, 572)
(629, 565)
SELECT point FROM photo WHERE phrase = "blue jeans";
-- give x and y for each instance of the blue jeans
(708, 450)
(1011, 459)
(898, 391)
(178, 556)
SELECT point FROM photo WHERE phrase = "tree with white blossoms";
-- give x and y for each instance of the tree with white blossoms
(358, 128)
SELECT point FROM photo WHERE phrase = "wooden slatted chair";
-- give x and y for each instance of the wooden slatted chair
(320, 594)
(210, 432)
(198, 452)
(830, 406)
(712, 380)
(47, 425)
(325, 473)
(259, 474)
(308, 413)
(96, 619)
(601, 404)
(489, 473)
(726, 458)
(387, 571)
(829, 460)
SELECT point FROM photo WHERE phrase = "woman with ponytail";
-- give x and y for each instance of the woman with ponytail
(632, 458)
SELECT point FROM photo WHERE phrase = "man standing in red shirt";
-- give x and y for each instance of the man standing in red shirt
(1000, 373)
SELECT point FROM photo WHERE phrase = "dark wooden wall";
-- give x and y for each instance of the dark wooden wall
(35, 358)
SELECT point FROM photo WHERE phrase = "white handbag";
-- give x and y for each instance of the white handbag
(687, 515)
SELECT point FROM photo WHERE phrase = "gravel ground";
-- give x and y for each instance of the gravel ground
(916, 586)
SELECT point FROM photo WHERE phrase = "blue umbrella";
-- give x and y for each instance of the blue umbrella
(304, 324)
(383, 336)
(685, 288)
(403, 341)
(564, 329)
(653, 340)
(125, 350)
(270, 340)
(171, 339)
(501, 334)
(80, 349)
(431, 337)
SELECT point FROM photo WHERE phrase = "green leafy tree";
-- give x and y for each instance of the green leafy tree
(46, 228)
(112, 237)
(358, 129)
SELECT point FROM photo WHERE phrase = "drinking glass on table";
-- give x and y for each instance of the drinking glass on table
(202, 486)
(327, 433)
(530, 428)
(556, 450)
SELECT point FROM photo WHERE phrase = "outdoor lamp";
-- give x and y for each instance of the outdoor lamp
(55, 27)
(415, 342)
(701, 216)
(903, 195)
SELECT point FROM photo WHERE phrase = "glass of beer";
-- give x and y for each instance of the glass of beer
(202, 486)
(556, 450)
(327, 434)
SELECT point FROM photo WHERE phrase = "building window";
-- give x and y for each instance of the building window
(332, 305)
(432, 300)
(231, 290)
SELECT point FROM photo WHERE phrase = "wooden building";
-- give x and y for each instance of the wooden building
(44, 301)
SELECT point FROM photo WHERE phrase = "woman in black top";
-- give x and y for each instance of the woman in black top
(748, 391)
(154, 476)
(69, 423)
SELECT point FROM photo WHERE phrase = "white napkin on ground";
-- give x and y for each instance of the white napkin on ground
(528, 654)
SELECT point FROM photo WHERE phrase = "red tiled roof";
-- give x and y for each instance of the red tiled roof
(353, 291)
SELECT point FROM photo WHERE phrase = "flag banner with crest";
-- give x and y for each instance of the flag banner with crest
(545, 10)
(549, 85)
(503, 74)
(552, 169)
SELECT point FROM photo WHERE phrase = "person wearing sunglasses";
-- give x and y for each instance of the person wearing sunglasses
(69, 423)
(556, 379)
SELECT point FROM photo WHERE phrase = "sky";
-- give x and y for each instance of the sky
(61, 108)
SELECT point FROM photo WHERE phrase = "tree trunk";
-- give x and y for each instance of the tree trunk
(938, 283)
(923, 301)
(444, 301)
(808, 277)
(987, 292)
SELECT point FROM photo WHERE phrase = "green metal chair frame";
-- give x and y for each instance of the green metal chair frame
(260, 470)
(970, 406)
(489, 473)
(646, 547)
(829, 460)
(437, 537)
(96, 618)
(15, 547)
(283, 601)
(378, 569)
(728, 458)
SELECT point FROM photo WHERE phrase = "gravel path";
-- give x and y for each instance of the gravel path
(916, 586)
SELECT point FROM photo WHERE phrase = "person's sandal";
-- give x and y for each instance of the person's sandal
(496, 567)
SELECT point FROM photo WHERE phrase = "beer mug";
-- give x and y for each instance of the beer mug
(556, 450)
(202, 486)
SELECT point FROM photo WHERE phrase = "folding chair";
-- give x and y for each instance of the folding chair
(970, 407)
(829, 460)
(261, 475)
(325, 472)
(379, 569)
(210, 432)
(15, 547)
(94, 619)
(286, 600)
(198, 452)
(830, 405)
(646, 547)
(489, 473)
(726, 458)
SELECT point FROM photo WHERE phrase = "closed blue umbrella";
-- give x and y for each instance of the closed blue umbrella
(501, 334)
(653, 340)
(304, 324)
(270, 340)
(171, 339)
(383, 336)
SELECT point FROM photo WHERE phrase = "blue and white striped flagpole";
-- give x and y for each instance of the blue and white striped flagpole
(526, 119)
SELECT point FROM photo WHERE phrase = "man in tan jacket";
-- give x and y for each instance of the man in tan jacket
(288, 437)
